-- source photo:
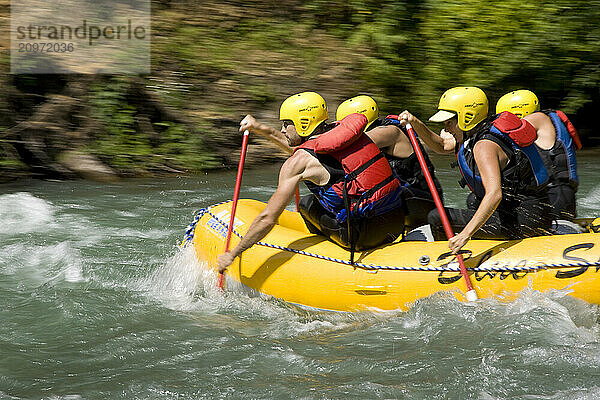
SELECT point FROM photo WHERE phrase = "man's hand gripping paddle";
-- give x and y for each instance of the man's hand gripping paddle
(236, 193)
(471, 295)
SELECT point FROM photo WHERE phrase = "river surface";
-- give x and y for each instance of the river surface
(98, 302)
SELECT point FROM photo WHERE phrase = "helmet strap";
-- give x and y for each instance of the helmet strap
(321, 128)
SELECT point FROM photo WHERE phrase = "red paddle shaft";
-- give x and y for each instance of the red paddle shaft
(297, 198)
(471, 294)
(236, 193)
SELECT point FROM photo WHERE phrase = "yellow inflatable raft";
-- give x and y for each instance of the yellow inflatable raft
(306, 269)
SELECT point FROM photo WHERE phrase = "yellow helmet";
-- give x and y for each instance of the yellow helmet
(359, 104)
(306, 110)
(468, 102)
(519, 102)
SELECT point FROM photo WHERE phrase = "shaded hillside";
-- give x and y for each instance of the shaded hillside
(212, 63)
(207, 73)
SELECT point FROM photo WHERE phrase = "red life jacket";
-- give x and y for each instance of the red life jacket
(362, 170)
(519, 130)
(570, 128)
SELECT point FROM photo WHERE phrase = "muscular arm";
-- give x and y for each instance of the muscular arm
(391, 140)
(488, 157)
(273, 135)
(546, 134)
(434, 141)
(300, 166)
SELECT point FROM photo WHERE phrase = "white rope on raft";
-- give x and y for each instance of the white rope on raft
(189, 235)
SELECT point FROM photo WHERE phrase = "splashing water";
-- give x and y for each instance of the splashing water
(99, 302)
(23, 213)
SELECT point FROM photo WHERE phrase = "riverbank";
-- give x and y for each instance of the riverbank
(213, 63)
(184, 116)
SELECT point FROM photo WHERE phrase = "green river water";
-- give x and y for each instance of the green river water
(98, 302)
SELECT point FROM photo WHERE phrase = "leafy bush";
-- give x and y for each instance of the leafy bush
(124, 146)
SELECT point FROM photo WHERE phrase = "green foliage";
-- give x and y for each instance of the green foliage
(416, 51)
(411, 50)
(118, 143)
(219, 51)
(260, 92)
(125, 147)
(241, 57)
(9, 159)
(10, 163)
(181, 149)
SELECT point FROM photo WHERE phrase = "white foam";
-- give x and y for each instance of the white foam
(590, 200)
(187, 284)
(184, 283)
(137, 233)
(592, 393)
(39, 265)
(176, 282)
(127, 214)
(24, 213)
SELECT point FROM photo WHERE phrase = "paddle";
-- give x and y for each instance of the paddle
(470, 294)
(236, 193)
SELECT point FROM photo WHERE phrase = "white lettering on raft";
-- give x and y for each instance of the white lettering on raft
(216, 227)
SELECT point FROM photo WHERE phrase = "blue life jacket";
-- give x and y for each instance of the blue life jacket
(560, 160)
(525, 173)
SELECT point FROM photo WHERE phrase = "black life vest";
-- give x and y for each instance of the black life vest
(560, 160)
(408, 169)
(524, 174)
(357, 167)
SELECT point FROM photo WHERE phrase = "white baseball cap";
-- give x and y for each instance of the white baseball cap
(441, 116)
